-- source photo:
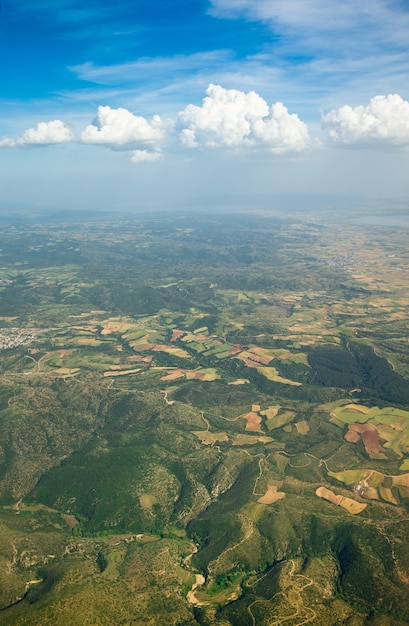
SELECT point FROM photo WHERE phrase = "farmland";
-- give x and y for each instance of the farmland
(204, 420)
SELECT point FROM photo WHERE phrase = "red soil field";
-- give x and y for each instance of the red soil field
(352, 436)
(369, 436)
(173, 375)
(253, 421)
(136, 358)
(200, 376)
(249, 362)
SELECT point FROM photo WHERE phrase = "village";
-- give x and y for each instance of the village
(14, 337)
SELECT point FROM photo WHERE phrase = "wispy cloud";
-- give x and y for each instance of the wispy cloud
(150, 68)
(81, 23)
(73, 11)
(322, 52)
(349, 46)
(306, 18)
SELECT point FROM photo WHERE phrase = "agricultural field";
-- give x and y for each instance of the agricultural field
(389, 424)
(204, 420)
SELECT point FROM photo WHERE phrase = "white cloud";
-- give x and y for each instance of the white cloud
(293, 12)
(45, 133)
(232, 118)
(122, 130)
(323, 15)
(329, 48)
(143, 156)
(146, 69)
(7, 142)
(384, 120)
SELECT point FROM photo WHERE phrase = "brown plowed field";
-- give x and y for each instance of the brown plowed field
(253, 421)
(369, 436)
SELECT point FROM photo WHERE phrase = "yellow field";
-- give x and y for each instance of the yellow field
(360, 408)
(271, 373)
(250, 440)
(401, 481)
(206, 374)
(327, 494)
(280, 420)
(188, 337)
(209, 439)
(112, 327)
(141, 346)
(373, 478)
(337, 422)
(271, 411)
(352, 506)
(202, 329)
(174, 375)
(78, 341)
(302, 427)
(403, 492)
(173, 350)
(387, 495)
(372, 493)
(64, 372)
(111, 373)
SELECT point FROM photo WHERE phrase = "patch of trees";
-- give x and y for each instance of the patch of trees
(357, 366)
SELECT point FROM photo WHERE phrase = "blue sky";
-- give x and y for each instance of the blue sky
(237, 103)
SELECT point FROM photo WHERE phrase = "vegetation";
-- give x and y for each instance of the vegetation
(175, 392)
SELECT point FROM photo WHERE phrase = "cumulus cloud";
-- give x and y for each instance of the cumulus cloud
(122, 130)
(384, 120)
(45, 133)
(232, 118)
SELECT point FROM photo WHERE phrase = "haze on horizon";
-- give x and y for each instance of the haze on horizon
(221, 103)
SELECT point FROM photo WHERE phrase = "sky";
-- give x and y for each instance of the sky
(140, 105)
